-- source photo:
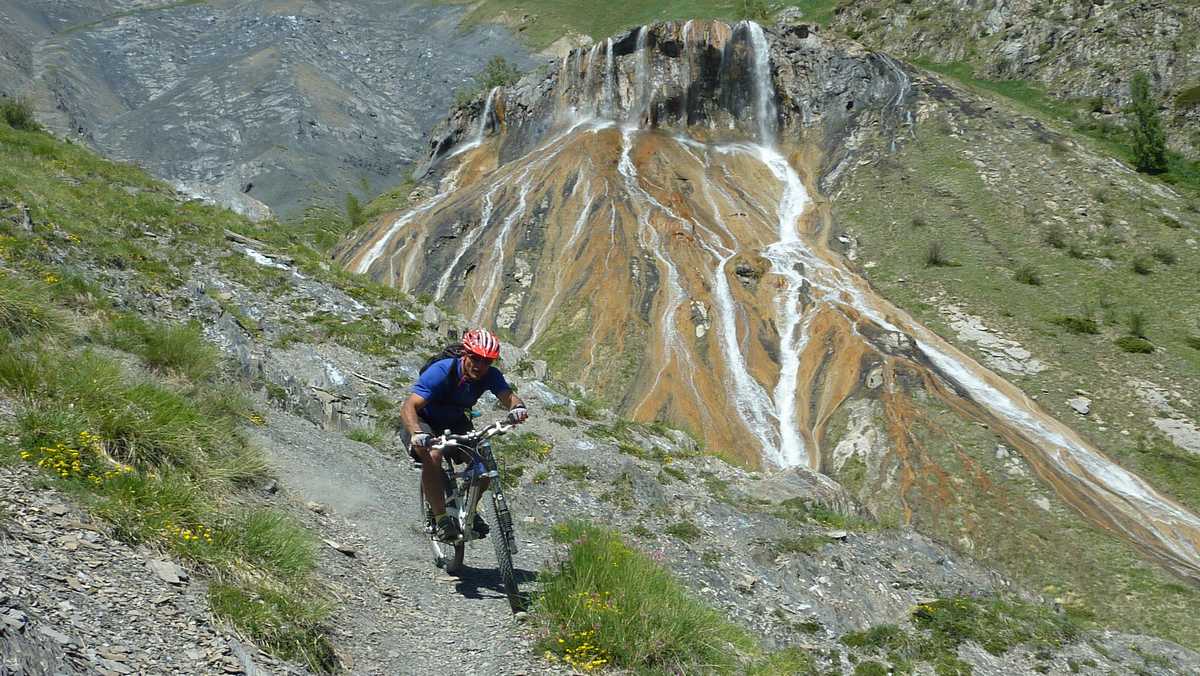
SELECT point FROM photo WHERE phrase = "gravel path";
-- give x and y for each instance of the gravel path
(397, 613)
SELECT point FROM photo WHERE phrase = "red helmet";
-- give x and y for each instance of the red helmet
(481, 342)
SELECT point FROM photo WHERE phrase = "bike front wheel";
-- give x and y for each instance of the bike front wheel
(502, 540)
(446, 556)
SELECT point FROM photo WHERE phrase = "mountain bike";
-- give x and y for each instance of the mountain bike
(473, 453)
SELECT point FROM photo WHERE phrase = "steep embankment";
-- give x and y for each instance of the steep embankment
(630, 215)
(118, 261)
(253, 105)
(1076, 50)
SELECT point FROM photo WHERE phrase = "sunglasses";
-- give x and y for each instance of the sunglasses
(482, 361)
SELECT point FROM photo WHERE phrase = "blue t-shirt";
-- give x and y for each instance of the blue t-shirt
(448, 394)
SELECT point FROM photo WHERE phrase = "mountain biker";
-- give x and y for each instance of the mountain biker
(439, 401)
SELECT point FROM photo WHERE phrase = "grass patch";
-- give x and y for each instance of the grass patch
(177, 348)
(18, 114)
(1134, 345)
(1164, 255)
(685, 529)
(1080, 325)
(577, 473)
(1028, 274)
(1142, 265)
(935, 256)
(547, 20)
(605, 605)
(366, 435)
(26, 309)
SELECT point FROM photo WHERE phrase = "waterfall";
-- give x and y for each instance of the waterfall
(764, 89)
(606, 95)
(481, 130)
(640, 84)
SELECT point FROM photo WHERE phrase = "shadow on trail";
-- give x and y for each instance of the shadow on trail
(474, 582)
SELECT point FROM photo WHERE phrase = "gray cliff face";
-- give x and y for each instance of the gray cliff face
(250, 103)
(1076, 49)
(695, 75)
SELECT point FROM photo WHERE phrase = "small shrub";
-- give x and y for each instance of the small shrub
(1142, 265)
(588, 409)
(1171, 222)
(18, 114)
(919, 222)
(1028, 275)
(685, 530)
(995, 624)
(574, 472)
(1136, 323)
(1076, 252)
(1135, 345)
(354, 211)
(1192, 342)
(1055, 237)
(498, 73)
(935, 257)
(1149, 139)
(1164, 255)
(1085, 325)
(526, 446)
(1188, 98)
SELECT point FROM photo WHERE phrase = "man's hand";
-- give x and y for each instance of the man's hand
(518, 414)
(420, 440)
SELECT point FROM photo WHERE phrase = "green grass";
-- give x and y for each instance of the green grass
(142, 427)
(685, 529)
(366, 435)
(1181, 172)
(18, 114)
(606, 605)
(941, 626)
(578, 473)
(177, 348)
(988, 226)
(551, 19)
(1080, 325)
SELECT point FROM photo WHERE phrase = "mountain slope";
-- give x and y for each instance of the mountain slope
(282, 104)
(1080, 50)
(711, 284)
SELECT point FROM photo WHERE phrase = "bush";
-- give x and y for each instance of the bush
(498, 73)
(18, 114)
(1085, 325)
(935, 257)
(685, 530)
(1136, 322)
(1164, 255)
(1028, 275)
(1054, 236)
(1188, 98)
(607, 605)
(1142, 265)
(995, 624)
(1192, 342)
(1149, 139)
(354, 211)
(1135, 345)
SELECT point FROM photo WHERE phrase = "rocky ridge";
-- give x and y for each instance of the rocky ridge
(257, 107)
(1077, 50)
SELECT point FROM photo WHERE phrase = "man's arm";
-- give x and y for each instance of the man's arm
(510, 400)
(408, 413)
(517, 412)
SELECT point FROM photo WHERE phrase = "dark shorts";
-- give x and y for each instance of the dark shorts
(461, 426)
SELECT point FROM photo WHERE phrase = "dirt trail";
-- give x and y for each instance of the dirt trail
(396, 613)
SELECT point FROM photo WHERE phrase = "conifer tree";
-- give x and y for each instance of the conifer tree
(1149, 139)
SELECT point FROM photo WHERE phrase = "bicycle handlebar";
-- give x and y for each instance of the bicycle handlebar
(471, 438)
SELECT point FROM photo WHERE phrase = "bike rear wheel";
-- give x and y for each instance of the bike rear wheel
(448, 557)
(501, 540)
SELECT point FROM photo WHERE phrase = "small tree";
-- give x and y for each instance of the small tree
(498, 73)
(1149, 139)
(354, 211)
(759, 11)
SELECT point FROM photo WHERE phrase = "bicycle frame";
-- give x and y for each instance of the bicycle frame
(463, 502)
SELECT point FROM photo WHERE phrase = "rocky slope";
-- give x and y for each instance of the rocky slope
(788, 554)
(256, 106)
(1076, 50)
